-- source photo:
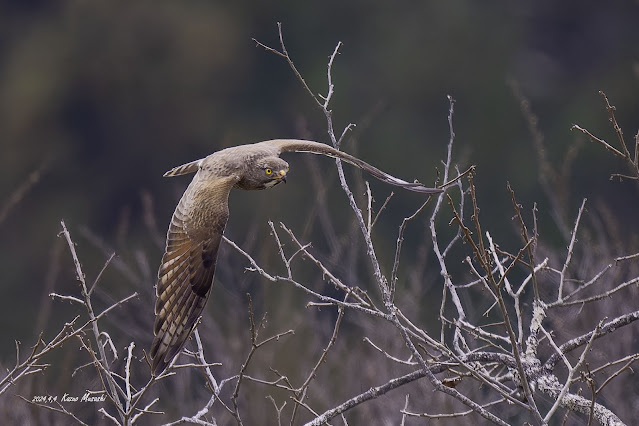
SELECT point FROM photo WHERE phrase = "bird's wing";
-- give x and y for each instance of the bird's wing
(297, 145)
(186, 273)
(184, 169)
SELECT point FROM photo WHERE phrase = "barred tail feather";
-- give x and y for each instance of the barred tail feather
(184, 169)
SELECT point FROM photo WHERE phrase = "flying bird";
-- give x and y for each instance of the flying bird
(186, 273)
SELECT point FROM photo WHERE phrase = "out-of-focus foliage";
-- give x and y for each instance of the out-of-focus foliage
(102, 97)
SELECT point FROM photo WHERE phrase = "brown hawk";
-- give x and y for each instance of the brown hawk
(186, 273)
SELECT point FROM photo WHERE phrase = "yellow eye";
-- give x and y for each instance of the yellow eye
(269, 171)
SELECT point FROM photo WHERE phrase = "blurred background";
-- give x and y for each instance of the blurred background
(98, 99)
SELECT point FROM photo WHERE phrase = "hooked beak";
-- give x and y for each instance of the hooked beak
(282, 175)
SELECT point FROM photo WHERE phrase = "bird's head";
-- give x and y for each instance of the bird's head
(265, 173)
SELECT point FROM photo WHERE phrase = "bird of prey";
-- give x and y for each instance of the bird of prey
(186, 273)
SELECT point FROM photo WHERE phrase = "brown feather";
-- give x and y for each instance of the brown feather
(184, 169)
(298, 145)
(187, 270)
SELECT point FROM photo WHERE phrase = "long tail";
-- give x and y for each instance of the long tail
(184, 169)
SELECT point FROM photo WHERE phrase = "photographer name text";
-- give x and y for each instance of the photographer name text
(87, 397)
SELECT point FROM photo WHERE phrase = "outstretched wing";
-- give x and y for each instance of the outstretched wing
(297, 145)
(187, 270)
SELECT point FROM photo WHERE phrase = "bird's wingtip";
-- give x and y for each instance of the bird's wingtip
(184, 169)
(158, 366)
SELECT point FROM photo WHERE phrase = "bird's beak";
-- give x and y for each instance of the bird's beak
(282, 175)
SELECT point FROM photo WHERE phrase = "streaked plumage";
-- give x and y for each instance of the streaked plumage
(186, 273)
